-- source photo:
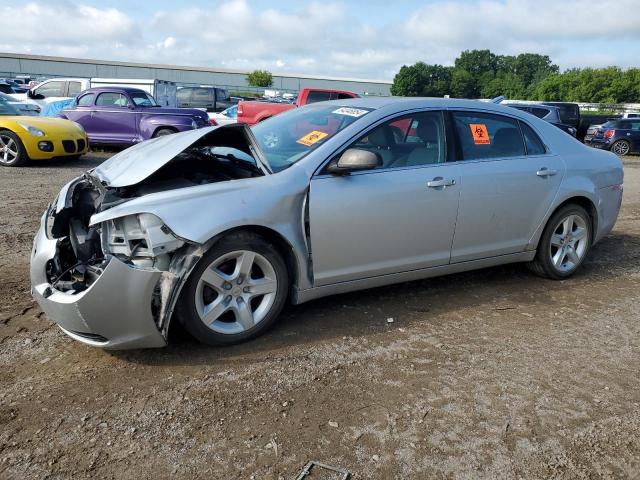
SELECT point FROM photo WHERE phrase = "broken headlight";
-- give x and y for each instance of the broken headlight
(141, 239)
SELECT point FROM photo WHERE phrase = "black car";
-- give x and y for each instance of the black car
(213, 99)
(569, 112)
(620, 136)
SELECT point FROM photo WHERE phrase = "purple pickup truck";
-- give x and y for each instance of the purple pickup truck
(124, 116)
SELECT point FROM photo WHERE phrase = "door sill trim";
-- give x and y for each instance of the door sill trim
(301, 296)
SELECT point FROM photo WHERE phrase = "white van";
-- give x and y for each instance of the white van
(56, 89)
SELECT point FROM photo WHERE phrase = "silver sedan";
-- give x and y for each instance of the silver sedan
(219, 227)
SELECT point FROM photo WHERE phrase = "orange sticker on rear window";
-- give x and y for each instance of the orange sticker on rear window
(480, 134)
(312, 137)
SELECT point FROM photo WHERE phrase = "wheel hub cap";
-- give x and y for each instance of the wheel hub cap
(569, 243)
(236, 291)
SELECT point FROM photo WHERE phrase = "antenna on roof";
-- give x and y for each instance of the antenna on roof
(498, 99)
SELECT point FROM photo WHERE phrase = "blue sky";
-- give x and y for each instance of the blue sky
(366, 39)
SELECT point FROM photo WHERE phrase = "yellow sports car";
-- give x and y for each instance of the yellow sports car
(24, 138)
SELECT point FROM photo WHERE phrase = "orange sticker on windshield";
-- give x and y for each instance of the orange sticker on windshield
(312, 137)
(480, 134)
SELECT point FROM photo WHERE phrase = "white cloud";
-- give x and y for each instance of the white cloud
(326, 38)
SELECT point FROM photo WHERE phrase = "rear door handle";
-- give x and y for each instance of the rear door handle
(441, 182)
(546, 172)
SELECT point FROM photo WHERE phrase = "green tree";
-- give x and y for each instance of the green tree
(462, 83)
(507, 84)
(477, 62)
(260, 78)
(480, 73)
(422, 80)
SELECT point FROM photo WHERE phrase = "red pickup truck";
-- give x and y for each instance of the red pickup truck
(254, 112)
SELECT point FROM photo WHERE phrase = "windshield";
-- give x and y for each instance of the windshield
(143, 99)
(6, 109)
(290, 136)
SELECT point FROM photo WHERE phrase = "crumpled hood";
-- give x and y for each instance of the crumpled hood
(136, 163)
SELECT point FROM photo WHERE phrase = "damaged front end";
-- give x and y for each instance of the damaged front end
(115, 283)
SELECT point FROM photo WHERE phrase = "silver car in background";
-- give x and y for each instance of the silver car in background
(219, 227)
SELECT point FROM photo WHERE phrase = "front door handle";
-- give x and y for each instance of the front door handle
(546, 172)
(441, 182)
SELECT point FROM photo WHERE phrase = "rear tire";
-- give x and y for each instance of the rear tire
(235, 292)
(564, 244)
(161, 132)
(621, 147)
(12, 151)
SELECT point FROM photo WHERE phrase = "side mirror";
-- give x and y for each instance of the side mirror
(30, 94)
(354, 159)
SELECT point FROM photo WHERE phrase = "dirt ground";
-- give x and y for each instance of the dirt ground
(489, 374)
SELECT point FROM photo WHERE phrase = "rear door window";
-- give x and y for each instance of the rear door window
(532, 141)
(485, 135)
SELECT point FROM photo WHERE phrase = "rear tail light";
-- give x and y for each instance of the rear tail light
(609, 133)
(212, 122)
(240, 111)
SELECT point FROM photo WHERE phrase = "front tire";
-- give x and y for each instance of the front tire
(235, 292)
(564, 244)
(12, 152)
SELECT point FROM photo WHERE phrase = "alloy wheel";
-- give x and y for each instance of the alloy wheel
(8, 149)
(620, 147)
(236, 292)
(569, 243)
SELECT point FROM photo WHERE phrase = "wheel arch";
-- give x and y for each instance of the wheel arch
(283, 246)
(163, 127)
(580, 200)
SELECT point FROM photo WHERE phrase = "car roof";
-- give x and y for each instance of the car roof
(114, 88)
(532, 105)
(397, 104)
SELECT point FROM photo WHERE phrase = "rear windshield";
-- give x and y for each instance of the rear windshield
(287, 138)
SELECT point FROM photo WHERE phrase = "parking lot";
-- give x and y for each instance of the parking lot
(490, 374)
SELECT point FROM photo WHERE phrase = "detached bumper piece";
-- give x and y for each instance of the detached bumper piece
(115, 311)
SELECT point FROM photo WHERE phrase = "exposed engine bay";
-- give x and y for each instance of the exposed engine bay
(141, 240)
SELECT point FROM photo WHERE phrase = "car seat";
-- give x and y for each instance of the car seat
(507, 142)
(379, 139)
(430, 150)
